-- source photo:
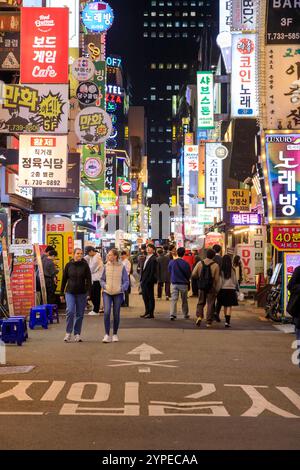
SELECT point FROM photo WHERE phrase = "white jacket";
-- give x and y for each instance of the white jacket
(96, 266)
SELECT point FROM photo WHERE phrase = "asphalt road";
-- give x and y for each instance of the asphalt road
(165, 385)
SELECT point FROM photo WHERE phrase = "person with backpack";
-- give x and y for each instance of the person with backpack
(180, 272)
(293, 307)
(208, 274)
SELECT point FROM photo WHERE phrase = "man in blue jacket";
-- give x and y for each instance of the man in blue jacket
(180, 278)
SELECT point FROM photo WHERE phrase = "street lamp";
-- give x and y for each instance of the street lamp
(224, 42)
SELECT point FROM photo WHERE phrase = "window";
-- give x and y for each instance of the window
(184, 24)
(161, 35)
(146, 25)
(152, 129)
(153, 4)
(185, 35)
(176, 87)
(193, 13)
(153, 25)
(146, 13)
(169, 87)
(169, 24)
(153, 97)
(153, 35)
(184, 66)
(168, 129)
(161, 13)
(160, 129)
(153, 13)
(161, 66)
(169, 35)
(161, 25)
(177, 66)
(185, 13)
(145, 35)
(177, 35)
(152, 141)
(193, 24)
(153, 66)
(169, 66)
(153, 88)
(177, 24)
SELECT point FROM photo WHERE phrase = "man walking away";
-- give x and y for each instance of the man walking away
(197, 258)
(163, 276)
(208, 274)
(180, 278)
(95, 263)
(148, 279)
(50, 271)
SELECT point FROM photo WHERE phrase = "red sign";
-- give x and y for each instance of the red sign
(286, 237)
(44, 45)
(23, 285)
(126, 187)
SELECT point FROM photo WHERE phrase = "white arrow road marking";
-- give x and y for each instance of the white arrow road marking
(145, 351)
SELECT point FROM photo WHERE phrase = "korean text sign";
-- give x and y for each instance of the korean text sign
(191, 166)
(43, 161)
(244, 102)
(291, 262)
(286, 237)
(283, 167)
(205, 99)
(238, 200)
(213, 176)
(44, 45)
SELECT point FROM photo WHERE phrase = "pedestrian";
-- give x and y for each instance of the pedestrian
(172, 252)
(115, 282)
(293, 307)
(238, 267)
(163, 275)
(208, 274)
(148, 279)
(180, 272)
(141, 259)
(227, 296)
(189, 258)
(128, 266)
(197, 258)
(95, 263)
(77, 281)
(50, 272)
(218, 255)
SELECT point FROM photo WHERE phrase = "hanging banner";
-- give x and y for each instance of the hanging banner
(238, 200)
(244, 78)
(44, 45)
(23, 279)
(285, 237)
(43, 161)
(205, 100)
(247, 254)
(93, 166)
(9, 51)
(244, 15)
(283, 22)
(281, 159)
(59, 234)
(282, 90)
(213, 175)
(191, 167)
(41, 272)
(291, 262)
(34, 109)
(93, 125)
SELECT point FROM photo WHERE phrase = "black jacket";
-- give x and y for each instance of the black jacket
(77, 277)
(293, 307)
(149, 272)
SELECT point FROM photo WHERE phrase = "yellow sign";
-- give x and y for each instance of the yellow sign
(107, 198)
(238, 200)
(63, 243)
(201, 173)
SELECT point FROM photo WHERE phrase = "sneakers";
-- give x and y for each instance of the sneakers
(208, 325)
(106, 339)
(101, 310)
(115, 339)
(227, 325)
(172, 317)
(93, 314)
(67, 338)
(77, 339)
(198, 321)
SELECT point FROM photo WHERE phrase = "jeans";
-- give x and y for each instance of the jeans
(76, 304)
(95, 295)
(116, 301)
(160, 289)
(175, 290)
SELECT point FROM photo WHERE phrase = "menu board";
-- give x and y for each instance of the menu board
(23, 279)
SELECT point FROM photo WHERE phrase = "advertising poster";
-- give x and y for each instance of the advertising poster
(34, 109)
(8, 287)
(9, 50)
(60, 235)
(23, 279)
(93, 166)
(247, 254)
(205, 100)
(214, 175)
(282, 86)
(286, 237)
(44, 45)
(291, 262)
(191, 168)
(43, 161)
(215, 238)
(244, 102)
(282, 161)
(238, 200)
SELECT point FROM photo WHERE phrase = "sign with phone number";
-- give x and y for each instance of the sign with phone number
(286, 238)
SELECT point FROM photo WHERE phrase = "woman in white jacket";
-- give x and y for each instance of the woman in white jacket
(95, 263)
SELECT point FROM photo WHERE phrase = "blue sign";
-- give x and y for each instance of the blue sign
(97, 17)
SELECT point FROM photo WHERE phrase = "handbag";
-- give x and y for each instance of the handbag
(240, 296)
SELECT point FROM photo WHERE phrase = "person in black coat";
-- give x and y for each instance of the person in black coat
(293, 307)
(148, 279)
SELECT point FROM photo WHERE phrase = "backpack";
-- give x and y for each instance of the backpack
(206, 280)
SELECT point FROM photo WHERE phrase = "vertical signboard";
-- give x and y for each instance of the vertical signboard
(213, 176)
(283, 22)
(281, 158)
(44, 45)
(225, 15)
(7, 278)
(23, 279)
(191, 166)
(205, 100)
(244, 15)
(244, 79)
(74, 12)
(247, 254)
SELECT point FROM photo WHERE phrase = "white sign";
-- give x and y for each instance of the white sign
(282, 87)
(225, 15)
(84, 214)
(14, 188)
(93, 125)
(74, 20)
(205, 100)
(244, 15)
(244, 80)
(43, 161)
(83, 69)
(213, 176)
(191, 167)
(247, 254)
(126, 187)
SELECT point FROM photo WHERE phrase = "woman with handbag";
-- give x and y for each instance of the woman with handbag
(293, 307)
(227, 296)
